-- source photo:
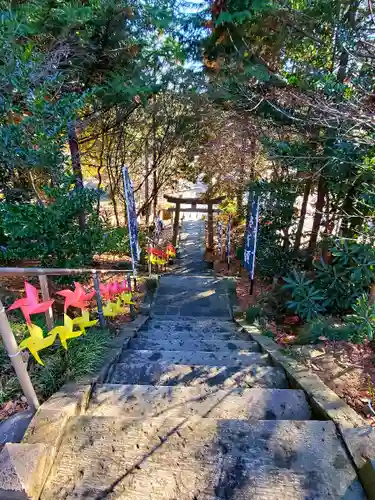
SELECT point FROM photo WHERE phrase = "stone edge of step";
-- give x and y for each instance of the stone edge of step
(281, 402)
(357, 435)
(166, 356)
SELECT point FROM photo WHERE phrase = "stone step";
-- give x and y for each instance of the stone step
(175, 312)
(153, 373)
(192, 283)
(208, 325)
(218, 358)
(209, 459)
(135, 401)
(191, 344)
(194, 335)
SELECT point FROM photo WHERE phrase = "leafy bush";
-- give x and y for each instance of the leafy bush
(307, 301)
(350, 274)
(116, 240)
(362, 320)
(252, 314)
(324, 328)
(49, 232)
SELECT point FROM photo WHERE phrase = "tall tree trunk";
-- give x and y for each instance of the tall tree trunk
(301, 222)
(155, 193)
(76, 165)
(154, 159)
(319, 207)
(113, 196)
(147, 186)
(241, 182)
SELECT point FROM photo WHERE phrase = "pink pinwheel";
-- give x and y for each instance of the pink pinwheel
(112, 289)
(106, 291)
(77, 298)
(115, 288)
(30, 304)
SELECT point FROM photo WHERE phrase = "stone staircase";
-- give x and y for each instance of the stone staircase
(194, 411)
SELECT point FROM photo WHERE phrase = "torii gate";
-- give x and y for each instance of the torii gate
(193, 202)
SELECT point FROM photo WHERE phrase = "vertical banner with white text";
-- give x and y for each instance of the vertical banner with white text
(220, 239)
(228, 235)
(251, 236)
(132, 219)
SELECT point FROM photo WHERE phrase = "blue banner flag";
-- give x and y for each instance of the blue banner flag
(251, 235)
(219, 238)
(132, 217)
(228, 238)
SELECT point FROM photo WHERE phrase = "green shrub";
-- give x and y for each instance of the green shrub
(348, 276)
(307, 301)
(362, 320)
(252, 314)
(50, 232)
(325, 328)
(116, 241)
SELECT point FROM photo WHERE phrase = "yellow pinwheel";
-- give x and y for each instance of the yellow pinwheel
(84, 321)
(152, 258)
(66, 331)
(113, 309)
(36, 342)
(126, 298)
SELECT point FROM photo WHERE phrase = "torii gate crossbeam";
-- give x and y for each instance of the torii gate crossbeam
(194, 202)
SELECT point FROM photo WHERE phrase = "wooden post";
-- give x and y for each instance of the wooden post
(210, 226)
(98, 297)
(15, 357)
(176, 223)
(43, 281)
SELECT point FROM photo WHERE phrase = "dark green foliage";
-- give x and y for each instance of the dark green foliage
(269, 334)
(348, 276)
(274, 255)
(240, 253)
(307, 301)
(362, 319)
(116, 240)
(337, 287)
(252, 314)
(324, 328)
(49, 232)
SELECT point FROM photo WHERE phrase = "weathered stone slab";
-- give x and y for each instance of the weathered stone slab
(186, 324)
(218, 358)
(71, 399)
(152, 373)
(135, 401)
(187, 343)
(169, 459)
(23, 470)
